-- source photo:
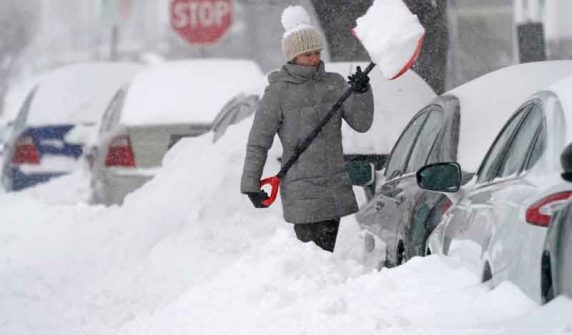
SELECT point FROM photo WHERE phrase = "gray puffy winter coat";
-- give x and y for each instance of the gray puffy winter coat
(317, 187)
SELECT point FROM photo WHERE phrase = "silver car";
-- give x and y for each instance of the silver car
(160, 106)
(499, 220)
(556, 263)
(458, 125)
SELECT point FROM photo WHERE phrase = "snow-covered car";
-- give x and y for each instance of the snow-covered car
(499, 220)
(459, 125)
(161, 105)
(237, 109)
(556, 262)
(50, 130)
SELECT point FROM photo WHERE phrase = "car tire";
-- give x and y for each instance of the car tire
(546, 283)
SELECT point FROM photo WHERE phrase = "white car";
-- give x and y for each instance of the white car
(161, 105)
(556, 262)
(498, 223)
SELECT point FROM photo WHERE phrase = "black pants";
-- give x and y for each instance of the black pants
(322, 233)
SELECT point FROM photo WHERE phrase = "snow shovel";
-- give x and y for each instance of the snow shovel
(393, 65)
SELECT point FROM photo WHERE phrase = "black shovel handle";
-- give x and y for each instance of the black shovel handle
(308, 140)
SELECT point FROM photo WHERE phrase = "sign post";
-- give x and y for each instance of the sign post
(201, 21)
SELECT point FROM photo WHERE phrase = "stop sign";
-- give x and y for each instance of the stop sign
(201, 21)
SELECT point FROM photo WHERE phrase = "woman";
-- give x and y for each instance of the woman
(316, 192)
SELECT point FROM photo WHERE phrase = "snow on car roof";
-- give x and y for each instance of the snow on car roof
(77, 93)
(488, 101)
(188, 91)
(563, 89)
(395, 103)
(17, 92)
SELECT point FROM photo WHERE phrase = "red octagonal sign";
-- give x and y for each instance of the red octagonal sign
(201, 21)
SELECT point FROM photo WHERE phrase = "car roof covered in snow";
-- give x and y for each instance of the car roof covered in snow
(563, 89)
(77, 93)
(395, 102)
(487, 102)
(189, 91)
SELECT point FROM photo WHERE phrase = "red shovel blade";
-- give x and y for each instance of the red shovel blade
(274, 183)
(412, 59)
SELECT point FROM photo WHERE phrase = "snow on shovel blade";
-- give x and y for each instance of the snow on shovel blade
(392, 36)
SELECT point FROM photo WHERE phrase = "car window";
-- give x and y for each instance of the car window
(521, 145)
(490, 164)
(112, 113)
(24, 110)
(425, 141)
(401, 150)
(539, 146)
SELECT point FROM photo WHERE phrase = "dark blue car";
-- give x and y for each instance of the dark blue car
(56, 119)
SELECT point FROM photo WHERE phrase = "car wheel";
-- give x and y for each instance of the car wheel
(546, 284)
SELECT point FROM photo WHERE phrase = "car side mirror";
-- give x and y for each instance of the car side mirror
(566, 161)
(441, 177)
(361, 172)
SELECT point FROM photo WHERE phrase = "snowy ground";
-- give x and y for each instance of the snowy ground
(187, 254)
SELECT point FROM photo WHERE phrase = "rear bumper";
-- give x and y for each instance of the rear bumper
(111, 188)
(16, 180)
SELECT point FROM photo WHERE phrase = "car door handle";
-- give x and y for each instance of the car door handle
(379, 205)
(399, 199)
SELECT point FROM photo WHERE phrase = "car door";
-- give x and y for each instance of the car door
(564, 258)
(369, 217)
(404, 193)
(511, 189)
(490, 207)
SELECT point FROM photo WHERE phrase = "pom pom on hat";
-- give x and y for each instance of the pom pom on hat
(299, 35)
(294, 16)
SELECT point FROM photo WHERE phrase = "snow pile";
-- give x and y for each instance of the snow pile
(70, 189)
(75, 269)
(392, 35)
(187, 254)
(285, 287)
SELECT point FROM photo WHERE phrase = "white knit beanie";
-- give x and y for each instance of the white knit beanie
(299, 36)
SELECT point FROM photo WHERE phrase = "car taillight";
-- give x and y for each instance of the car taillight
(120, 153)
(447, 204)
(25, 151)
(540, 213)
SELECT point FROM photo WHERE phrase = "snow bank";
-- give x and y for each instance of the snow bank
(285, 287)
(187, 254)
(391, 35)
(86, 270)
